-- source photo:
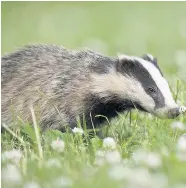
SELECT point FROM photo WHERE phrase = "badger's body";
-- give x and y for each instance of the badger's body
(64, 84)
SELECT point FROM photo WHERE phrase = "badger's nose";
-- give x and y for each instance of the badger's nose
(174, 112)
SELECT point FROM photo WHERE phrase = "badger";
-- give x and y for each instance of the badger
(64, 84)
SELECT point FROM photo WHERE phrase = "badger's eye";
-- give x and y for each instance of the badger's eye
(151, 90)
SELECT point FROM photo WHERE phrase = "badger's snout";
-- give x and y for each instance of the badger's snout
(171, 112)
(174, 112)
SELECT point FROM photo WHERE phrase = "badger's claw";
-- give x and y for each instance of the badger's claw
(182, 110)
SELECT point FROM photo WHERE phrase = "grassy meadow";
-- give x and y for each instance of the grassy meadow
(139, 150)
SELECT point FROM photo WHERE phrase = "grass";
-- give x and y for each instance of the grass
(130, 27)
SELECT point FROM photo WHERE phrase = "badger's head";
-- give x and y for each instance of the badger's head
(138, 83)
(146, 87)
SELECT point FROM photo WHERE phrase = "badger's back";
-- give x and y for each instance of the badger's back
(56, 81)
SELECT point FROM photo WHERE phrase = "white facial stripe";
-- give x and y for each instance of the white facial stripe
(115, 83)
(159, 80)
(150, 56)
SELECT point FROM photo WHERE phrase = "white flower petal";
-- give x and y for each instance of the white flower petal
(181, 148)
(113, 157)
(109, 143)
(118, 172)
(11, 175)
(58, 145)
(181, 144)
(100, 157)
(151, 159)
(12, 156)
(77, 130)
(178, 125)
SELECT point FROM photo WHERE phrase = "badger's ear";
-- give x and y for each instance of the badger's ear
(125, 62)
(150, 58)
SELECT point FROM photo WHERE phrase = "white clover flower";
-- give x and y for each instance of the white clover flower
(113, 157)
(11, 175)
(13, 156)
(143, 179)
(100, 157)
(178, 125)
(181, 145)
(109, 143)
(118, 172)
(32, 184)
(153, 160)
(181, 148)
(62, 182)
(53, 163)
(139, 156)
(161, 180)
(58, 145)
(77, 130)
(99, 161)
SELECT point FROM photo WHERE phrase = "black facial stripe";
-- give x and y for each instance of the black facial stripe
(138, 72)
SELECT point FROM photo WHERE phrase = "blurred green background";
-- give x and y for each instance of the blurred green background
(133, 28)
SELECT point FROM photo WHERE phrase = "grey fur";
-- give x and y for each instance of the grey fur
(55, 80)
